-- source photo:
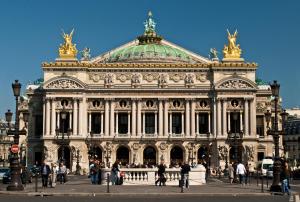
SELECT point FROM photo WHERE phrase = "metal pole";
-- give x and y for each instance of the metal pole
(267, 180)
(257, 177)
(262, 184)
(182, 182)
(36, 180)
(107, 188)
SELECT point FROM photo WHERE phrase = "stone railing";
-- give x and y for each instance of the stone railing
(148, 176)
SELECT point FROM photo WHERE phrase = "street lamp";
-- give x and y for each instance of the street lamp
(273, 130)
(77, 162)
(89, 141)
(16, 184)
(60, 139)
(235, 135)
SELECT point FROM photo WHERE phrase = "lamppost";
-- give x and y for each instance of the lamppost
(89, 141)
(191, 153)
(235, 136)
(16, 184)
(77, 162)
(60, 137)
(108, 149)
(275, 187)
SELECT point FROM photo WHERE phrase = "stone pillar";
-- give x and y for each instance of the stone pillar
(139, 118)
(187, 118)
(219, 123)
(170, 126)
(246, 117)
(160, 118)
(192, 118)
(166, 113)
(253, 117)
(75, 113)
(209, 123)
(47, 116)
(155, 123)
(144, 123)
(112, 118)
(133, 117)
(102, 122)
(53, 117)
(117, 123)
(84, 117)
(241, 121)
(90, 122)
(57, 119)
(182, 123)
(214, 117)
(70, 121)
(44, 116)
(228, 121)
(197, 123)
(106, 118)
(80, 118)
(224, 117)
(128, 133)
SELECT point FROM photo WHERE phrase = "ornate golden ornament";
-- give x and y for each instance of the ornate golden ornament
(233, 50)
(68, 49)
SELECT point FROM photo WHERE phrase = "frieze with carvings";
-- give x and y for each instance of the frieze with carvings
(136, 80)
(59, 105)
(150, 76)
(64, 84)
(176, 105)
(123, 76)
(95, 105)
(149, 105)
(261, 107)
(123, 105)
(176, 77)
(96, 77)
(235, 84)
(202, 77)
(203, 104)
(109, 80)
(163, 80)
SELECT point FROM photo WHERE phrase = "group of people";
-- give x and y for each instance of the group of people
(95, 171)
(50, 175)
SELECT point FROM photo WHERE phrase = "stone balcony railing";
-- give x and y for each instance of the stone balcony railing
(148, 176)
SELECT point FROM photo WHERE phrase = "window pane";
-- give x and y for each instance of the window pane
(123, 123)
(149, 123)
(176, 123)
(96, 123)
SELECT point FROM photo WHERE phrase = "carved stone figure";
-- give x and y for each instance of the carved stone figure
(213, 54)
(149, 24)
(235, 84)
(223, 152)
(163, 80)
(250, 152)
(108, 80)
(64, 84)
(85, 54)
(136, 78)
(189, 79)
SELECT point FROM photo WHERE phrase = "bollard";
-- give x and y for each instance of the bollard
(262, 184)
(267, 181)
(36, 182)
(257, 177)
(107, 188)
(181, 183)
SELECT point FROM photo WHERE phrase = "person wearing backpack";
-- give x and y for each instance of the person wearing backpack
(114, 173)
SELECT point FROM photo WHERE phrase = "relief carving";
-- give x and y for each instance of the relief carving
(64, 84)
(235, 84)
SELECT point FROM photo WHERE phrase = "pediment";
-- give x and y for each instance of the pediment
(64, 83)
(236, 83)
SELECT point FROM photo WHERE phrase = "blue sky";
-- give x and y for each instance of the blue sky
(269, 33)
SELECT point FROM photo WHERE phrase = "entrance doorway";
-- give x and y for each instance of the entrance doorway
(176, 156)
(98, 154)
(202, 155)
(123, 155)
(149, 156)
(65, 156)
(235, 157)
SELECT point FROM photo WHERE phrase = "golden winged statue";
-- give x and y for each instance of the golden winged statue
(233, 50)
(67, 50)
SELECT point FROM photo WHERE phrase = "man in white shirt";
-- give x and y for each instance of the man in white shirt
(241, 171)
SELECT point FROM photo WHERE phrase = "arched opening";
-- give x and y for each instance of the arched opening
(236, 154)
(64, 154)
(98, 154)
(149, 156)
(176, 156)
(202, 155)
(123, 155)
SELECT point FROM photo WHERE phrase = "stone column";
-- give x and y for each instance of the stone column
(44, 116)
(155, 123)
(133, 117)
(128, 133)
(192, 118)
(219, 123)
(47, 116)
(182, 123)
(214, 117)
(197, 123)
(224, 117)
(139, 118)
(170, 126)
(106, 118)
(112, 118)
(187, 118)
(117, 123)
(75, 113)
(241, 121)
(70, 121)
(166, 114)
(102, 122)
(80, 118)
(90, 122)
(160, 118)
(246, 117)
(84, 117)
(253, 117)
(228, 121)
(57, 119)
(144, 123)
(53, 117)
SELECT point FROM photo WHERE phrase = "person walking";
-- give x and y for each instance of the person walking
(231, 173)
(185, 169)
(161, 174)
(241, 172)
(45, 172)
(53, 175)
(62, 172)
(115, 173)
(284, 177)
(93, 172)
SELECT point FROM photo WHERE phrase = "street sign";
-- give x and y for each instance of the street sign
(14, 148)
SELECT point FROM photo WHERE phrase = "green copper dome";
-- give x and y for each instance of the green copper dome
(149, 53)
(150, 49)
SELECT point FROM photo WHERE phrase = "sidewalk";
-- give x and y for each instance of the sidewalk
(81, 186)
